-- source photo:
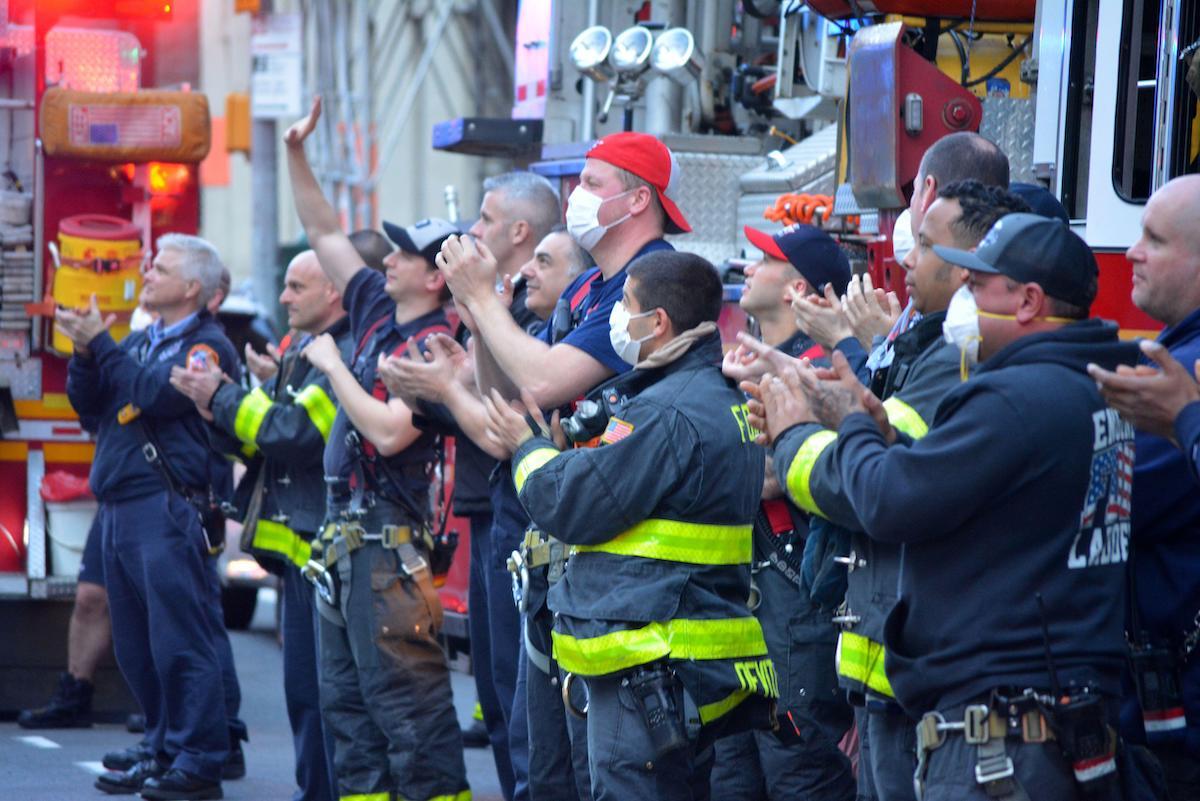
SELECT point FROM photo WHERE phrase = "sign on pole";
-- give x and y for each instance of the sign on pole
(276, 75)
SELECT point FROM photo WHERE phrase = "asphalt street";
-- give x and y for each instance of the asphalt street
(58, 765)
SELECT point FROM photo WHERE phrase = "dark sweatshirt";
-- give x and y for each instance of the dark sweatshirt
(1020, 489)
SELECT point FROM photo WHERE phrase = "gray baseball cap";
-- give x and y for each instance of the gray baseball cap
(1034, 249)
(422, 238)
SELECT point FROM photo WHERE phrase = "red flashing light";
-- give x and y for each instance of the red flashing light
(168, 179)
(143, 9)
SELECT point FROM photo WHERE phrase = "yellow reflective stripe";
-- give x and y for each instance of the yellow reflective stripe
(366, 797)
(800, 470)
(465, 795)
(677, 541)
(248, 450)
(729, 638)
(278, 538)
(710, 712)
(532, 461)
(905, 418)
(250, 415)
(319, 407)
(861, 659)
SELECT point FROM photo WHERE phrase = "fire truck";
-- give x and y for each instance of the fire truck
(783, 111)
(100, 138)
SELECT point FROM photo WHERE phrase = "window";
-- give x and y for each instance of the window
(1157, 126)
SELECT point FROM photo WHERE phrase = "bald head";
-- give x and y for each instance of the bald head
(1166, 258)
(311, 302)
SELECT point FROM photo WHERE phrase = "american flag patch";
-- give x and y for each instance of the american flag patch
(616, 431)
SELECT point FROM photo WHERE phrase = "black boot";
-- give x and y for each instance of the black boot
(69, 708)
(476, 735)
(128, 757)
(130, 781)
(179, 785)
(235, 763)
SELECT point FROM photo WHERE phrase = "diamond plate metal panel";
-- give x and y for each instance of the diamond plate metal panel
(1008, 122)
(811, 161)
(708, 194)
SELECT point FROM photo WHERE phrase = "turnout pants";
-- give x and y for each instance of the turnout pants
(493, 640)
(301, 690)
(156, 571)
(807, 764)
(891, 743)
(621, 755)
(385, 686)
(1039, 768)
(558, 768)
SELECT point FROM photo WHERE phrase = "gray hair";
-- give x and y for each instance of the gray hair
(529, 197)
(201, 262)
(581, 260)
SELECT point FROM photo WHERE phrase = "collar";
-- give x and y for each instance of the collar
(1189, 325)
(702, 342)
(157, 333)
(797, 344)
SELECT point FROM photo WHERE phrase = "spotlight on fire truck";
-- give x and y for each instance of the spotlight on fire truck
(631, 52)
(590, 51)
(674, 55)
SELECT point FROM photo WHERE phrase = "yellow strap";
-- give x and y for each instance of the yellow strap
(277, 538)
(250, 415)
(905, 418)
(532, 461)
(862, 660)
(800, 470)
(677, 541)
(319, 407)
(729, 638)
(366, 797)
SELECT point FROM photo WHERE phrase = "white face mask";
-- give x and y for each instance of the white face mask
(618, 333)
(961, 327)
(583, 217)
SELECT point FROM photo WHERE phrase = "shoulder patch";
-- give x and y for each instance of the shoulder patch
(202, 357)
(616, 431)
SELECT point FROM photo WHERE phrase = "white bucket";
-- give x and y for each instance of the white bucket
(67, 530)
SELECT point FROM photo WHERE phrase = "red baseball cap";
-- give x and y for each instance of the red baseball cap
(648, 159)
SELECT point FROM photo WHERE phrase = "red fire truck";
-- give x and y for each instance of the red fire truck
(101, 143)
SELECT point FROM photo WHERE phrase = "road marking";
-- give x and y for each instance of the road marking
(38, 742)
(93, 767)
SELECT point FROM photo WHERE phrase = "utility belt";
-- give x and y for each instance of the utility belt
(537, 550)
(338, 540)
(1076, 720)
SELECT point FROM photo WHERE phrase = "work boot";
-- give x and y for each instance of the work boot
(69, 708)
(179, 785)
(476, 736)
(130, 781)
(235, 763)
(126, 758)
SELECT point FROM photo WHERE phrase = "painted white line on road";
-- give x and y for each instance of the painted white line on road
(93, 767)
(38, 742)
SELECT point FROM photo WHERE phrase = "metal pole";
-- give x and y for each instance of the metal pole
(264, 183)
(587, 127)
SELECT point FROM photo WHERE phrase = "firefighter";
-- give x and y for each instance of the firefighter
(803, 761)
(280, 430)
(154, 476)
(1165, 614)
(385, 684)
(557, 261)
(652, 610)
(886, 734)
(620, 211)
(518, 209)
(1006, 640)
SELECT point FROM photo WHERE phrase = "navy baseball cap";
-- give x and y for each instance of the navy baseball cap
(1040, 201)
(1034, 249)
(423, 238)
(814, 254)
